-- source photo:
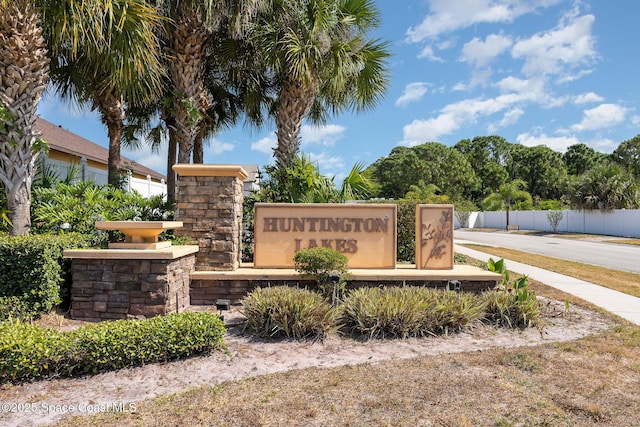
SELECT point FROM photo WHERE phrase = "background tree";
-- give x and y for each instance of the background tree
(487, 156)
(319, 54)
(606, 187)
(396, 172)
(541, 168)
(448, 169)
(433, 163)
(628, 155)
(425, 193)
(507, 195)
(462, 211)
(579, 158)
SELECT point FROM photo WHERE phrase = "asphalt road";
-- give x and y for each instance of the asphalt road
(609, 255)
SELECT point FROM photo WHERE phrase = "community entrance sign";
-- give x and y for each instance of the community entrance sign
(365, 233)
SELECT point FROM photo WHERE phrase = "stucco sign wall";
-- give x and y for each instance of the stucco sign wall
(434, 237)
(365, 233)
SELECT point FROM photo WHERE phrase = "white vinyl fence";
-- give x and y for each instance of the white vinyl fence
(619, 222)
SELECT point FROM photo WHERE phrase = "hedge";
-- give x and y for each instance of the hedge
(30, 352)
(33, 269)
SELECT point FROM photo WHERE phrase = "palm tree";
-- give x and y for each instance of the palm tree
(102, 78)
(29, 33)
(23, 73)
(426, 193)
(318, 54)
(302, 182)
(193, 25)
(508, 194)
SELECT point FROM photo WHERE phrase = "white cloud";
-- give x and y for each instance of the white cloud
(602, 116)
(453, 116)
(446, 44)
(217, 147)
(479, 53)
(155, 161)
(421, 131)
(460, 86)
(326, 161)
(587, 98)
(635, 120)
(428, 53)
(556, 143)
(511, 117)
(326, 135)
(534, 87)
(266, 144)
(560, 50)
(604, 145)
(413, 92)
(449, 15)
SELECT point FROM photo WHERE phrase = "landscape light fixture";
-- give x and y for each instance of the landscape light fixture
(223, 305)
(334, 277)
(454, 285)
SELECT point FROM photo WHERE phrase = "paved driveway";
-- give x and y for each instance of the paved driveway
(610, 255)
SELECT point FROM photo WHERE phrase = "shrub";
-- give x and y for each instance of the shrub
(406, 242)
(554, 218)
(12, 307)
(283, 311)
(78, 206)
(510, 304)
(33, 269)
(321, 263)
(408, 311)
(28, 352)
(124, 343)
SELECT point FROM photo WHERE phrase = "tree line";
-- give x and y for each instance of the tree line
(488, 172)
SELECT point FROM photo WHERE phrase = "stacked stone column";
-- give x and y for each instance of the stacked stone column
(209, 204)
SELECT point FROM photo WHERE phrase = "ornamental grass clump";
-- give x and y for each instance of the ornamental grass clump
(283, 311)
(408, 311)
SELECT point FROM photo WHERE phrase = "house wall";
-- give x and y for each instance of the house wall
(60, 164)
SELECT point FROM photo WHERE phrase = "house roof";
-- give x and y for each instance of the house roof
(64, 141)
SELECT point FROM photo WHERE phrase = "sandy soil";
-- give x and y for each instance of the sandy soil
(44, 402)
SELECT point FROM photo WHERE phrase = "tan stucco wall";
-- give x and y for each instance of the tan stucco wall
(365, 233)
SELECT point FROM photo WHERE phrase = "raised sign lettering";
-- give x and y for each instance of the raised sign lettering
(365, 233)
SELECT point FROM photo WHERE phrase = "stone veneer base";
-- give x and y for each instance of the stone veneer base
(130, 284)
(207, 286)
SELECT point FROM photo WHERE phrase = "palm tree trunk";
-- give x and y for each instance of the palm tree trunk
(24, 70)
(171, 160)
(187, 64)
(112, 115)
(198, 148)
(507, 208)
(295, 102)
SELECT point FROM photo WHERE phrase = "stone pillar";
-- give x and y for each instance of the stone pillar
(209, 204)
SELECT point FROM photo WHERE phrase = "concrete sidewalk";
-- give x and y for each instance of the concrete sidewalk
(621, 304)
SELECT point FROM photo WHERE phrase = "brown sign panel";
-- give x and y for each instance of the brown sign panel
(365, 233)
(434, 237)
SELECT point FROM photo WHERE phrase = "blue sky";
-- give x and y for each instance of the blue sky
(552, 72)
